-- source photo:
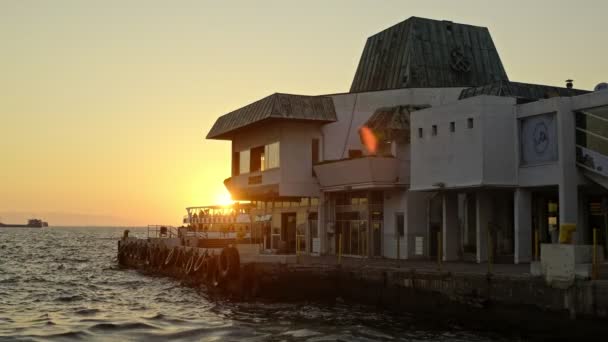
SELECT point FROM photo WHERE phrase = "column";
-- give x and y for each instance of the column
(450, 226)
(568, 179)
(482, 209)
(522, 225)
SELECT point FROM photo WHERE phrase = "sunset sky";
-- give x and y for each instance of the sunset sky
(104, 105)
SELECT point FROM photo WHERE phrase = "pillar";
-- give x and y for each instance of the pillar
(449, 230)
(522, 225)
(568, 171)
(482, 210)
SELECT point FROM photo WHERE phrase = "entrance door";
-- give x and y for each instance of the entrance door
(288, 232)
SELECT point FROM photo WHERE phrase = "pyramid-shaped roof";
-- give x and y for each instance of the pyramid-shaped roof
(421, 53)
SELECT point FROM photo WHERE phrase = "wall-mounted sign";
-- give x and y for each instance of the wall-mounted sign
(538, 139)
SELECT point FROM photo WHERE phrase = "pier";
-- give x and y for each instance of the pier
(466, 292)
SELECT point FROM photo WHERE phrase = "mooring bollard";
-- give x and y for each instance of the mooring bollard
(340, 249)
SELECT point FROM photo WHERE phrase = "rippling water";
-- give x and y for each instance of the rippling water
(64, 284)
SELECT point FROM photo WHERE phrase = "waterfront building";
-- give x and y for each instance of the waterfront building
(432, 152)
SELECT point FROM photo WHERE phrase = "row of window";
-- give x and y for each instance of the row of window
(259, 158)
(452, 128)
(303, 202)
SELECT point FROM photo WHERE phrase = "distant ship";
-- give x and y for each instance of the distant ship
(32, 223)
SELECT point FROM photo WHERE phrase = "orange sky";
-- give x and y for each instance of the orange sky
(104, 105)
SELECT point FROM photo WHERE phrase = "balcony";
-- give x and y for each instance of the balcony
(362, 173)
(255, 185)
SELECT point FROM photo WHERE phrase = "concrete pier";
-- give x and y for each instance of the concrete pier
(508, 298)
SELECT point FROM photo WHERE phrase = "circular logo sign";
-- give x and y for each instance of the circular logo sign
(459, 62)
(540, 137)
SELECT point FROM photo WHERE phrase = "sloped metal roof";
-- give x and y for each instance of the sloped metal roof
(419, 53)
(522, 91)
(275, 106)
(392, 123)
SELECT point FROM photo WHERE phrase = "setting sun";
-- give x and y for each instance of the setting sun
(223, 198)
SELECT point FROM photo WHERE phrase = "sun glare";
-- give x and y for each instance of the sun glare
(223, 199)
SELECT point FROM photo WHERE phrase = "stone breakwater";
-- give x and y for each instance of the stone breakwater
(484, 301)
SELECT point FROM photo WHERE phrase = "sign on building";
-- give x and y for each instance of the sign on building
(538, 139)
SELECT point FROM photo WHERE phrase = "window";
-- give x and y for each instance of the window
(434, 130)
(452, 126)
(257, 159)
(470, 122)
(420, 132)
(244, 162)
(272, 156)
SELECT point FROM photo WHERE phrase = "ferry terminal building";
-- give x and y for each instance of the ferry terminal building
(433, 150)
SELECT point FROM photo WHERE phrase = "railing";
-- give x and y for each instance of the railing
(161, 231)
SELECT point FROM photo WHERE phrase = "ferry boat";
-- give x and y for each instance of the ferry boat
(212, 226)
(31, 223)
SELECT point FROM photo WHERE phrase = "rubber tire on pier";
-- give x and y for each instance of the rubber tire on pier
(190, 263)
(199, 262)
(210, 267)
(150, 255)
(216, 275)
(229, 263)
(173, 254)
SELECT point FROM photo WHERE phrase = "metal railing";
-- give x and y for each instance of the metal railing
(161, 231)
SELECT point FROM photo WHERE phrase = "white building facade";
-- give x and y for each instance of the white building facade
(432, 151)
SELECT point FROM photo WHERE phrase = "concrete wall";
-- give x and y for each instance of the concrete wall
(414, 206)
(499, 163)
(295, 175)
(395, 201)
(296, 159)
(481, 155)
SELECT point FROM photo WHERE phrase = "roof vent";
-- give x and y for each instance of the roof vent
(601, 86)
(569, 83)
